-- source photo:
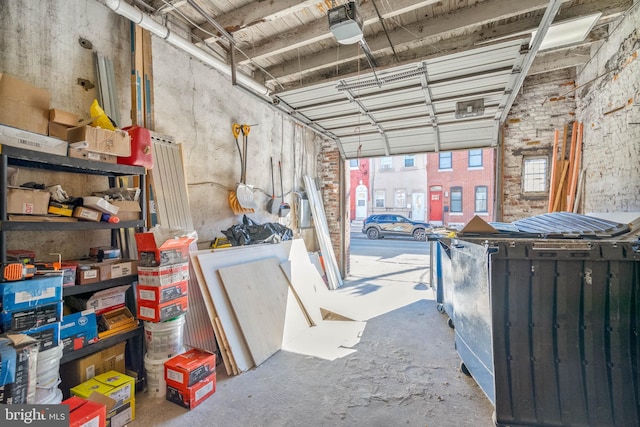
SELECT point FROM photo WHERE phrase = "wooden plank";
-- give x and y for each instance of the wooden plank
(574, 137)
(559, 194)
(258, 295)
(554, 169)
(147, 80)
(137, 86)
(286, 269)
(573, 183)
(232, 368)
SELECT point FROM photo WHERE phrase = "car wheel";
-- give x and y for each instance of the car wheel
(419, 234)
(373, 233)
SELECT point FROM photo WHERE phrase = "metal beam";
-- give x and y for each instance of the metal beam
(547, 19)
(428, 98)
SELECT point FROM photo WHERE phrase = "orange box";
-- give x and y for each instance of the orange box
(190, 397)
(85, 412)
(162, 294)
(172, 251)
(187, 369)
(153, 312)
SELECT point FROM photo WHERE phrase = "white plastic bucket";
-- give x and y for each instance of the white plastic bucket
(50, 396)
(156, 385)
(164, 340)
(48, 367)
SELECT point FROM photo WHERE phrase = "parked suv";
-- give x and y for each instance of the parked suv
(378, 226)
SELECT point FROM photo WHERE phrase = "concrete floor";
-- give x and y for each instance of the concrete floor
(405, 370)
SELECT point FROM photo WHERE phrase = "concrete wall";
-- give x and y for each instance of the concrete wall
(608, 100)
(545, 104)
(193, 103)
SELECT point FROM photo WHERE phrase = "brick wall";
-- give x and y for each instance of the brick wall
(545, 104)
(608, 99)
(330, 169)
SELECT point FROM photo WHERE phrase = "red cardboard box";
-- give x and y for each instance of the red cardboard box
(162, 294)
(153, 312)
(172, 251)
(186, 369)
(159, 276)
(85, 413)
(191, 397)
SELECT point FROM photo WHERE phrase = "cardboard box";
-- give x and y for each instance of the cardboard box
(171, 251)
(115, 268)
(18, 364)
(191, 397)
(23, 105)
(27, 201)
(85, 413)
(120, 416)
(87, 274)
(62, 117)
(153, 312)
(78, 330)
(101, 301)
(113, 384)
(98, 140)
(162, 294)
(29, 318)
(48, 336)
(68, 274)
(32, 141)
(80, 153)
(56, 130)
(160, 276)
(87, 214)
(80, 370)
(61, 209)
(25, 294)
(128, 210)
(100, 204)
(186, 369)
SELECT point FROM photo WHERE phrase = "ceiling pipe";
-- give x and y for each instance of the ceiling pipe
(145, 21)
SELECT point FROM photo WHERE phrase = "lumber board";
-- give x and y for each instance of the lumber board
(286, 269)
(232, 368)
(258, 293)
(147, 66)
(210, 262)
(554, 171)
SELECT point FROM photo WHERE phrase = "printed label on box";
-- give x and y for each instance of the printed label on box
(175, 376)
(90, 274)
(147, 295)
(147, 312)
(122, 418)
(22, 297)
(123, 394)
(203, 391)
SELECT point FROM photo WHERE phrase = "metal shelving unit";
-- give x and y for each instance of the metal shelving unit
(18, 157)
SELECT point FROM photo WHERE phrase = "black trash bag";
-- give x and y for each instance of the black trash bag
(252, 233)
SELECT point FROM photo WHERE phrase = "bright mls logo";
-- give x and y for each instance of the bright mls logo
(34, 415)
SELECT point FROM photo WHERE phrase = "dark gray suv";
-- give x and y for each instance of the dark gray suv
(380, 225)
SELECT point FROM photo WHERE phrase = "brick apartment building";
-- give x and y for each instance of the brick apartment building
(460, 186)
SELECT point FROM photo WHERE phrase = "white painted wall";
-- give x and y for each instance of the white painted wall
(193, 103)
(611, 155)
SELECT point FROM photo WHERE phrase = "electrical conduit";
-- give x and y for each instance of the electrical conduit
(146, 22)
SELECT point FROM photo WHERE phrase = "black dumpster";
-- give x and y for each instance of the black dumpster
(549, 328)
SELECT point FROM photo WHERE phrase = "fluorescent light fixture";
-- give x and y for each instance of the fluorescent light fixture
(568, 32)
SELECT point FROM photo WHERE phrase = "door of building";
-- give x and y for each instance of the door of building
(417, 206)
(361, 201)
(435, 205)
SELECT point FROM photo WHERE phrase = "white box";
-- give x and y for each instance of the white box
(32, 141)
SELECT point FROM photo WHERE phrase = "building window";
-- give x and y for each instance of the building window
(386, 163)
(456, 199)
(534, 178)
(409, 161)
(445, 161)
(354, 163)
(475, 158)
(481, 198)
(401, 199)
(379, 199)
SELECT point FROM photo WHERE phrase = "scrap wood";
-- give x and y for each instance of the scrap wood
(554, 168)
(575, 170)
(230, 364)
(563, 175)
